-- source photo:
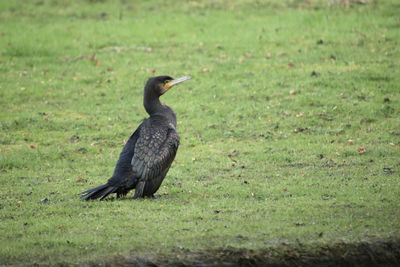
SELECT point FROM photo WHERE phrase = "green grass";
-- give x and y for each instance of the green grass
(284, 95)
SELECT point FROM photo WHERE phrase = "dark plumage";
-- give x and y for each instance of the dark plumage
(149, 152)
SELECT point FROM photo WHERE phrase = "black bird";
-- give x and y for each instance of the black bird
(149, 152)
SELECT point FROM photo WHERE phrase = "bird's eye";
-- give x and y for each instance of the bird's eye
(167, 81)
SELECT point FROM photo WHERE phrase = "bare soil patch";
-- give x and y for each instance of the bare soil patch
(368, 253)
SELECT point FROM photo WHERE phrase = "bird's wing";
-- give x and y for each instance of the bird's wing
(122, 180)
(123, 170)
(155, 150)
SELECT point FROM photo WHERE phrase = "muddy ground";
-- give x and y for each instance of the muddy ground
(368, 253)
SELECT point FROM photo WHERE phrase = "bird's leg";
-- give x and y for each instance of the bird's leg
(139, 189)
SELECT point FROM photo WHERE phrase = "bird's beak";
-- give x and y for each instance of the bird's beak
(173, 82)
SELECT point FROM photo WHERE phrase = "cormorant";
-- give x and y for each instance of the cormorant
(149, 152)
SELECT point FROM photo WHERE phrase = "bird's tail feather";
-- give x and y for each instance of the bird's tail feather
(99, 192)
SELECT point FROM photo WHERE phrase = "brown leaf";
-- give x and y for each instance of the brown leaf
(350, 141)
(361, 150)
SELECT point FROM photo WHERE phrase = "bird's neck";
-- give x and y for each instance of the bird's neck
(152, 104)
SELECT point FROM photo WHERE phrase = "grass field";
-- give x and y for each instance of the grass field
(290, 129)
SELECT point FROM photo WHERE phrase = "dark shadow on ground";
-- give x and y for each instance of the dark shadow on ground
(361, 254)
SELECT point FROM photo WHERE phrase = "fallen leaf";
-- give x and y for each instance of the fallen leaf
(361, 150)
(350, 141)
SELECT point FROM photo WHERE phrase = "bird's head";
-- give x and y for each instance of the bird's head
(161, 84)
